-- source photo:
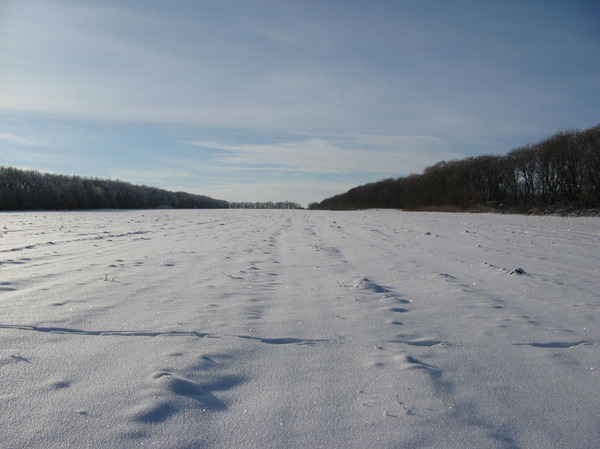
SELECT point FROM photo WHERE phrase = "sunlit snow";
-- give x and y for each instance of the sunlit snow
(298, 329)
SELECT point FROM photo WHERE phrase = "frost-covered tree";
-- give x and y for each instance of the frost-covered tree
(27, 190)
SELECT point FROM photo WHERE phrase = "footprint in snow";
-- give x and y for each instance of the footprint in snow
(172, 392)
(367, 284)
(398, 309)
(152, 411)
(177, 385)
(396, 323)
(435, 374)
(59, 385)
(409, 362)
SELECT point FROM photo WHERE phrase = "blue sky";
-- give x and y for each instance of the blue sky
(261, 100)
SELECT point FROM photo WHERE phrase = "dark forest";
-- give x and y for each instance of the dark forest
(558, 174)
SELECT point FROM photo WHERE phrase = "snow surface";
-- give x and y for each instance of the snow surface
(300, 329)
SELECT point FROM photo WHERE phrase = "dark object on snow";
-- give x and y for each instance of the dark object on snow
(518, 271)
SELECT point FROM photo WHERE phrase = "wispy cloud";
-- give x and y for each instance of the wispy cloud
(362, 153)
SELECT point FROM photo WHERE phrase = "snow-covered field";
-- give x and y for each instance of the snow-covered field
(286, 329)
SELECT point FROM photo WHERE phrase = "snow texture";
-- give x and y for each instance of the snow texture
(299, 329)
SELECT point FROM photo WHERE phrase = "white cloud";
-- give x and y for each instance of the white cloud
(381, 154)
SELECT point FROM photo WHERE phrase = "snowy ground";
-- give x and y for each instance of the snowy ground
(273, 329)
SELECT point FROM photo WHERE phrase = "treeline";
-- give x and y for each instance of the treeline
(31, 190)
(267, 205)
(559, 173)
